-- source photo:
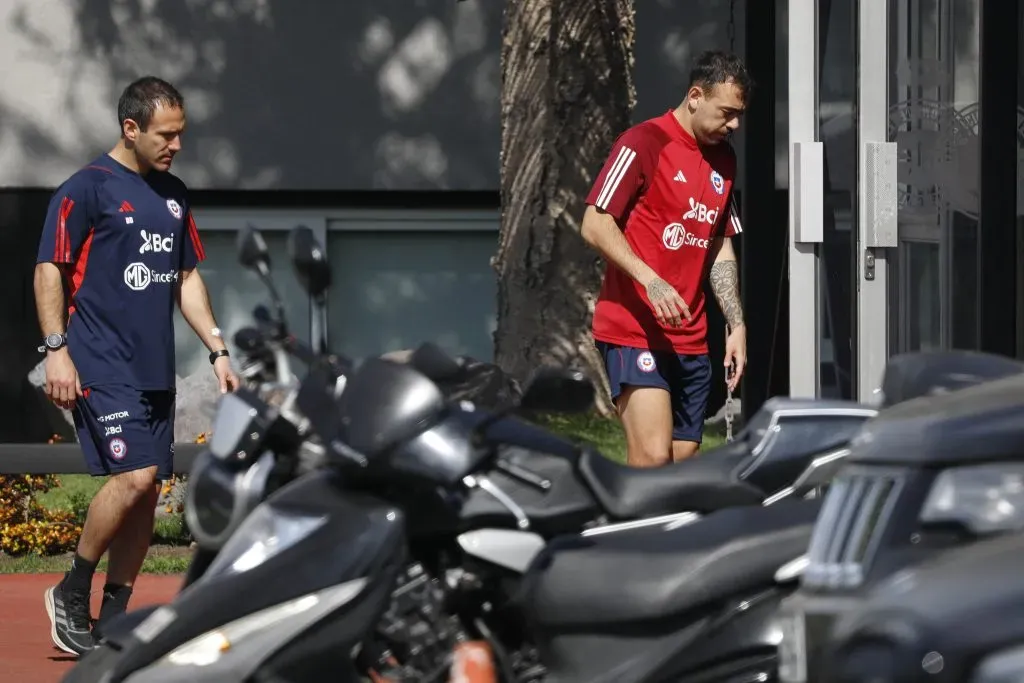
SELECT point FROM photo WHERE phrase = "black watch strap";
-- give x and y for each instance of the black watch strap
(52, 342)
(217, 354)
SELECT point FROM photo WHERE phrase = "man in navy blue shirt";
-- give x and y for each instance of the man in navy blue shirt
(118, 249)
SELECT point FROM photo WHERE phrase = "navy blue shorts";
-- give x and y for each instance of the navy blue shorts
(121, 429)
(686, 378)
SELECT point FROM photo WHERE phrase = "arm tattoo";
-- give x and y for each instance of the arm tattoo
(725, 283)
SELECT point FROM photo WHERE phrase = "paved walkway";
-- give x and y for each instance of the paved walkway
(27, 654)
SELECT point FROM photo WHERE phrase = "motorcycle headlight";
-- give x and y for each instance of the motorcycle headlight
(266, 532)
(1006, 666)
(243, 636)
(218, 497)
(983, 498)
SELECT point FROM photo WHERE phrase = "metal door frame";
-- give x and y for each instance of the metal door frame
(877, 235)
(806, 200)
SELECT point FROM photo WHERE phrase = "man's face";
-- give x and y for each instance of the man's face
(156, 146)
(715, 113)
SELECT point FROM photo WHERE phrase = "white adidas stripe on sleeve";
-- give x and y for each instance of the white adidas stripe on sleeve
(615, 175)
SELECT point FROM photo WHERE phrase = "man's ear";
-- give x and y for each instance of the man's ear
(694, 95)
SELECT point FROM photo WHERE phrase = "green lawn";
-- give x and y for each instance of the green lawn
(169, 555)
(606, 434)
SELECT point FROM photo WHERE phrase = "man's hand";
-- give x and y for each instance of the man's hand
(226, 377)
(666, 303)
(62, 384)
(735, 356)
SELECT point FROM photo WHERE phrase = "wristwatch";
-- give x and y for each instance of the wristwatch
(52, 342)
(217, 354)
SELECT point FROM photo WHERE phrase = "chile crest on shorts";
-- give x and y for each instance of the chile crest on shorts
(645, 362)
(118, 448)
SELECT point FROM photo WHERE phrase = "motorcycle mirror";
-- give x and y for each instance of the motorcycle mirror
(252, 251)
(558, 390)
(254, 255)
(310, 262)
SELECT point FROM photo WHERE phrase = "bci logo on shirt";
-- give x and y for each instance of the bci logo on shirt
(152, 242)
(699, 212)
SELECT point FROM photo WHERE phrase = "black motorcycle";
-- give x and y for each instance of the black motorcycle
(955, 617)
(932, 474)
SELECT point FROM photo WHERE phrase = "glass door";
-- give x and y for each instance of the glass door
(837, 131)
(934, 122)
(897, 124)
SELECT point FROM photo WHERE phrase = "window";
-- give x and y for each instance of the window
(396, 288)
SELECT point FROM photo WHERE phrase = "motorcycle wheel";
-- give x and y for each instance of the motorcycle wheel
(92, 666)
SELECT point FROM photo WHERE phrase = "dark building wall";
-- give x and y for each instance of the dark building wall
(21, 412)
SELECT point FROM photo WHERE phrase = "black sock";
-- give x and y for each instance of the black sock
(80, 577)
(115, 600)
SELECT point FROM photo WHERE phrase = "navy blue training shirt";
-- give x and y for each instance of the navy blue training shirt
(125, 239)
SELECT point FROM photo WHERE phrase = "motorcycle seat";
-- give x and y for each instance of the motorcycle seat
(649, 574)
(702, 484)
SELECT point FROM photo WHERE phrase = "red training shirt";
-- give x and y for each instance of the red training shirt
(670, 196)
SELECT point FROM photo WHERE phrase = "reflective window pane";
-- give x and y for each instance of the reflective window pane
(934, 120)
(396, 289)
(837, 93)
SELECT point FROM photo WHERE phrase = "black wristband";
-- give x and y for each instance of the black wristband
(217, 354)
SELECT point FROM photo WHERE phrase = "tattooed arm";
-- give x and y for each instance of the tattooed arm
(600, 231)
(725, 283)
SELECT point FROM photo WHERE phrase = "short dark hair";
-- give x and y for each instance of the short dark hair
(140, 98)
(714, 67)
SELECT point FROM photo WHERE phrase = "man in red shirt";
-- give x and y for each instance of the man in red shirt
(663, 215)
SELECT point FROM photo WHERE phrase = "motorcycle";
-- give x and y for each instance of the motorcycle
(931, 474)
(951, 618)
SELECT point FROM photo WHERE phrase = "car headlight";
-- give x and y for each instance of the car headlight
(984, 498)
(243, 635)
(1006, 666)
(266, 532)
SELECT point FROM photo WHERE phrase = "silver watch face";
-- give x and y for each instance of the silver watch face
(54, 341)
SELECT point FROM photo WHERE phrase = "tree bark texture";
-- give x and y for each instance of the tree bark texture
(567, 93)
